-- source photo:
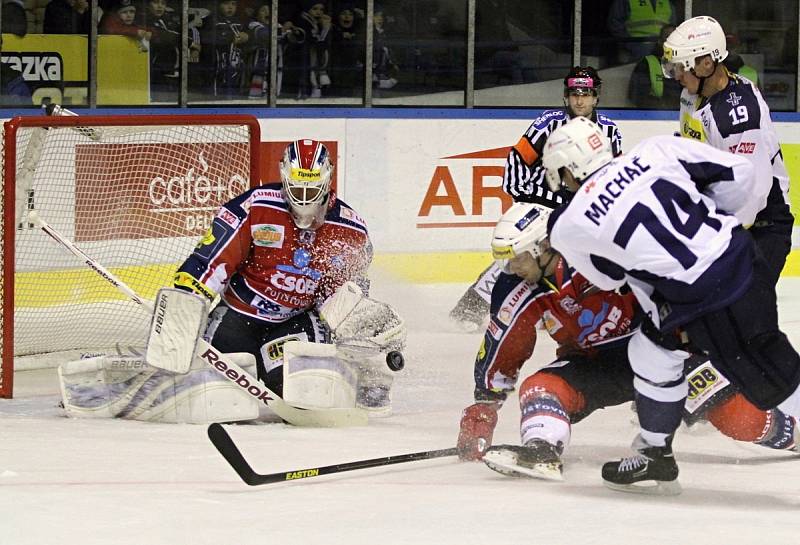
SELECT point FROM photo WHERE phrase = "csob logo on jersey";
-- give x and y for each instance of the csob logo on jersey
(298, 277)
(596, 327)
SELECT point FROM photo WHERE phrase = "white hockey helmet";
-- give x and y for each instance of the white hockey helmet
(695, 37)
(306, 171)
(579, 146)
(523, 228)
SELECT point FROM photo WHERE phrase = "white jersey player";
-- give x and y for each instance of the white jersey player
(666, 219)
(524, 175)
(727, 111)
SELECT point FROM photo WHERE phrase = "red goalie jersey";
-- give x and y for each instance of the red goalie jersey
(269, 269)
(575, 313)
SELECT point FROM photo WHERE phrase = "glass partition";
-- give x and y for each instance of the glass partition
(622, 39)
(523, 48)
(414, 51)
(763, 33)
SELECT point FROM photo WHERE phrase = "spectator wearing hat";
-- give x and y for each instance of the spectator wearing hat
(67, 17)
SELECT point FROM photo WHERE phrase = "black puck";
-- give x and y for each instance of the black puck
(395, 360)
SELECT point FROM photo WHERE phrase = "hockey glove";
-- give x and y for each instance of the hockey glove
(477, 427)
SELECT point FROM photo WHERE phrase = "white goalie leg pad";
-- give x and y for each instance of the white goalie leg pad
(102, 386)
(314, 377)
(361, 323)
(374, 390)
(129, 388)
(178, 322)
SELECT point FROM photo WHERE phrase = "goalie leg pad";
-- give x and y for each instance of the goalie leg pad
(178, 321)
(124, 387)
(315, 378)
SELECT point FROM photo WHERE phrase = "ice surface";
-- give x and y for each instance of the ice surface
(118, 482)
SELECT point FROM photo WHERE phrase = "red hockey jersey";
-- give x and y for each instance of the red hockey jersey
(577, 315)
(269, 269)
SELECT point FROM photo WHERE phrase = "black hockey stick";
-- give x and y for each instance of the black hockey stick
(225, 445)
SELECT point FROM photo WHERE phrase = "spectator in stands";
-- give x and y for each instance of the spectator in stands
(347, 52)
(67, 17)
(258, 27)
(636, 24)
(120, 19)
(384, 69)
(648, 88)
(316, 51)
(498, 60)
(224, 41)
(165, 48)
(14, 90)
(14, 19)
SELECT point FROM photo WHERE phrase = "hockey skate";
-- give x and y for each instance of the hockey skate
(471, 312)
(652, 470)
(538, 459)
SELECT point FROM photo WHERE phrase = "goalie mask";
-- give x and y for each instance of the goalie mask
(306, 171)
(578, 146)
(523, 228)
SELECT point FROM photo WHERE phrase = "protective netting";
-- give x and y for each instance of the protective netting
(135, 196)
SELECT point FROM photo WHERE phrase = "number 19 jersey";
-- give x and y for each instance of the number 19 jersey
(665, 219)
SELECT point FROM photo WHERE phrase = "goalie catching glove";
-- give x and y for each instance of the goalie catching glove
(361, 323)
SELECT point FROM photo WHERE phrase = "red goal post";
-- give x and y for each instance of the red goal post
(136, 193)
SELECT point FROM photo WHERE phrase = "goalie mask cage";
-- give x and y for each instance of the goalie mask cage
(135, 193)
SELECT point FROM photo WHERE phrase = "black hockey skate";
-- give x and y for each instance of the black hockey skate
(652, 470)
(538, 459)
(471, 311)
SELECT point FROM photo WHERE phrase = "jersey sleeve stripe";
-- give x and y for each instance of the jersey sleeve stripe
(526, 151)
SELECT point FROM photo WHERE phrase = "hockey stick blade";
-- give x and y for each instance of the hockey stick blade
(225, 445)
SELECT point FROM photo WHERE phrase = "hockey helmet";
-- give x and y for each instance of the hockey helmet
(579, 146)
(522, 228)
(582, 80)
(695, 37)
(306, 170)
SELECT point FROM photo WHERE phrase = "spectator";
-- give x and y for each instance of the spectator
(636, 25)
(120, 20)
(497, 57)
(67, 17)
(14, 19)
(383, 67)
(165, 48)
(316, 51)
(225, 40)
(14, 90)
(648, 88)
(347, 52)
(258, 27)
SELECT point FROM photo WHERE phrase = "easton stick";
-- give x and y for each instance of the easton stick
(225, 445)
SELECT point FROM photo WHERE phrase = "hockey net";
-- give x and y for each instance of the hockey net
(135, 193)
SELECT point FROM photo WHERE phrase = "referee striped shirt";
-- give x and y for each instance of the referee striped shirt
(524, 176)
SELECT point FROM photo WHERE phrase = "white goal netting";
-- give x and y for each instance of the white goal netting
(135, 193)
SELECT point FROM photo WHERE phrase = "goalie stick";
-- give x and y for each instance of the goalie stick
(225, 445)
(216, 359)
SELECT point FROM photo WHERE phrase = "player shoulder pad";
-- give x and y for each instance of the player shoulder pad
(735, 109)
(544, 120)
(343, 213)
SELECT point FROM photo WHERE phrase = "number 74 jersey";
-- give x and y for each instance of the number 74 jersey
(665, 219)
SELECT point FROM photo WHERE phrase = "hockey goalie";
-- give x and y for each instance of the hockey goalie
(286, 266)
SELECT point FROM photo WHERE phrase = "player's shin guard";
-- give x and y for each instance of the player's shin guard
(543, 418)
